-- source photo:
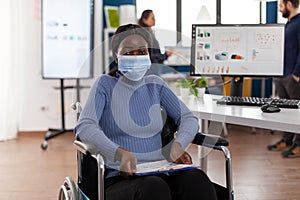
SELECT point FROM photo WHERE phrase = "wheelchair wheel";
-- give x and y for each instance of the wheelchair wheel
(69, 190)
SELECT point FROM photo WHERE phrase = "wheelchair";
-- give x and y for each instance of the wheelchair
(91, 166)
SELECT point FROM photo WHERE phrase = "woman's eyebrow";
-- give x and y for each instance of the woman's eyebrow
(127, 47)
(131, 47)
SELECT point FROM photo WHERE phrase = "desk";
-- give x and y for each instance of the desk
(206, 109)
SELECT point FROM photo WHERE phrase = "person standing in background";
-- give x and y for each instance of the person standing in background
(147, 20)
(288, 86)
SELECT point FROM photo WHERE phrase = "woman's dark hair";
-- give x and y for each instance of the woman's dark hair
(123, 32)
(145, 15)
(126, 30)
(295, 3)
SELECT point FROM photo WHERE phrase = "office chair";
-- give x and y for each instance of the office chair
(91, 166)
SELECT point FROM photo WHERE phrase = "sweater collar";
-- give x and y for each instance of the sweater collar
(294, 17)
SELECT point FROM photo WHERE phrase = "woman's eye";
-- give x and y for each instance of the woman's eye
(143, 52)
(126, 53)
(135, 52)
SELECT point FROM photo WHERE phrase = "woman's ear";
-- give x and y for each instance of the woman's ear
(144, 21)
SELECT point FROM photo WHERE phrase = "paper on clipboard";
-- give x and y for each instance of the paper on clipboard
(161, 166)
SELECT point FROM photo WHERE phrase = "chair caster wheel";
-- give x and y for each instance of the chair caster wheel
(44, 145)
(48, 134)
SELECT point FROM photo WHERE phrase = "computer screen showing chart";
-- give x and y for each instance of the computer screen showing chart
(237, 50)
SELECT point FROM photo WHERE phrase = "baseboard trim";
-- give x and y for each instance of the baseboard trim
(27, 133)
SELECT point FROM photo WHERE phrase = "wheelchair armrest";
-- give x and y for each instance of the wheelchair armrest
(87, 149)
(91, 168)
(209, 140)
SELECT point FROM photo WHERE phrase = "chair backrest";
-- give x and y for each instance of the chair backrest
(167, 134)
(87, 179)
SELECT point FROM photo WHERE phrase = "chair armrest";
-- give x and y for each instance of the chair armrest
(209, 140)
(87, 149)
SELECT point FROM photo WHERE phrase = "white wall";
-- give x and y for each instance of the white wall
(39, 102)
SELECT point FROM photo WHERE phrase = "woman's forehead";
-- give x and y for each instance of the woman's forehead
(133, 41)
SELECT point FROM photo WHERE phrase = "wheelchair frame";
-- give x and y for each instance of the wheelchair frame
(71, 190)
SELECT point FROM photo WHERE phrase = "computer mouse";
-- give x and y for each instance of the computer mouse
(270, 108)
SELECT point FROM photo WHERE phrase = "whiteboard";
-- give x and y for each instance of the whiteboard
(67, 39)
(237, 50)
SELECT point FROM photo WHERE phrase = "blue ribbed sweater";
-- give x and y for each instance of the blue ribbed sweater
(124, 113)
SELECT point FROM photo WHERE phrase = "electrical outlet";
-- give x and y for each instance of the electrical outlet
(44, 108)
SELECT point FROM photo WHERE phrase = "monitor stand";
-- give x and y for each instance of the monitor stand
(236, 86)
(236, 89)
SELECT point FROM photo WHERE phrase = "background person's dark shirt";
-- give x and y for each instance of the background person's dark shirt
(292, 47)
(155, 54)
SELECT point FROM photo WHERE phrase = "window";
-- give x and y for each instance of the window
(240, 11)
(165, 16)
(232, 12)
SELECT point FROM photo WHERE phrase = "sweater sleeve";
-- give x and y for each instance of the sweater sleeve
(88, 129)
(187, 122)
(296, 70)
(157, 57)
(155, 52)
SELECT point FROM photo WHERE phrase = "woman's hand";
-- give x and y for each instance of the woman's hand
(178, 155)
(127, 162)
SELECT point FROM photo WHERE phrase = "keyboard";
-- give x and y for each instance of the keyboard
(259, 101)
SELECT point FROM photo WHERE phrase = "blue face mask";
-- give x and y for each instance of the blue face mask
(134, 67)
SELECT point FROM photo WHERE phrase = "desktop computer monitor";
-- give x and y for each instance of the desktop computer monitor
(237, 50)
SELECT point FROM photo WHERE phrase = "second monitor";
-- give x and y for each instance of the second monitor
(237, 50)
